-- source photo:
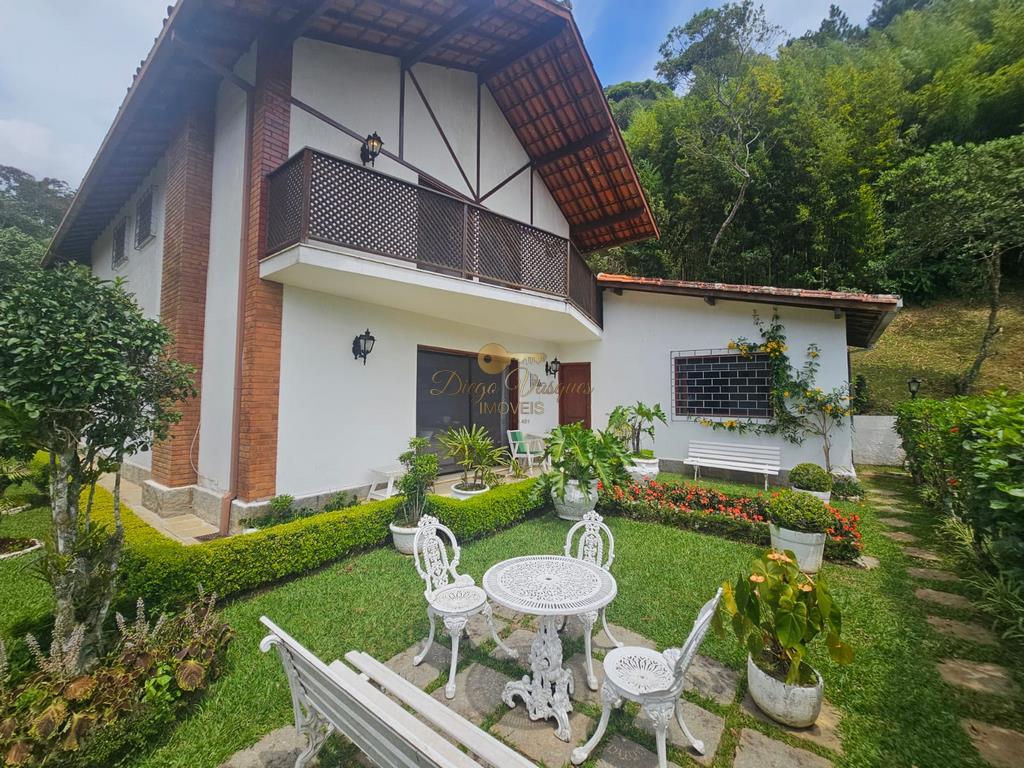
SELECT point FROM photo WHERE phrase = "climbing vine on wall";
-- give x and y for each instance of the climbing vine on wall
(799, 407)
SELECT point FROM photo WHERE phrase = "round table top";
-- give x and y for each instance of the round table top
(549, 585)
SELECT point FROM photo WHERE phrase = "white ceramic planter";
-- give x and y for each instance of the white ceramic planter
(643, 470)
(461, 495)
(577, 501)
(36, 544)
(403, 537)
(809, 548)
(794, 705)
(825, 496)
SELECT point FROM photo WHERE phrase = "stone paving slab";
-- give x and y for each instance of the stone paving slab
(932, 574)
(947, 599)
(478, 631)
(704, 725)
(620, 752)
(520, 642)
(278, 749)
(437, 661)
(536, 738)
(972, 633)
(477, 692)
(900, 536)
(895, 522)
(582, 691)
(999, 747)
(980, 676)
(711, 679)
(756, 750)
(623, 635)
(922, 554)
(824, 732)
(868, 562)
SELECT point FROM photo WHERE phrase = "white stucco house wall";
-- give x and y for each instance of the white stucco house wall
(275, 243)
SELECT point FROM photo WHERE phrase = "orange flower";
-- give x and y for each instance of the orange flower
(806, 587)
(781, 557)
(757, 578)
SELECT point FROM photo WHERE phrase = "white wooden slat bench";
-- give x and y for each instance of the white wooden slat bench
(337, 699)
(761, 460)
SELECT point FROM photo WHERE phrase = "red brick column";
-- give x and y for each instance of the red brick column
(261, 348)
(183, 282)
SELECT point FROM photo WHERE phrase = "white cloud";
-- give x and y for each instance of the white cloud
(35, 148)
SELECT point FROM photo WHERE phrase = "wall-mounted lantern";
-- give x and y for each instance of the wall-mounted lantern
(362, 345)
(371, 148)
(552, 368)
(914, 385)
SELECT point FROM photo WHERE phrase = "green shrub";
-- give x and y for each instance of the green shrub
(799, 512)
(846, 487)
(810, 477)
(498, 508)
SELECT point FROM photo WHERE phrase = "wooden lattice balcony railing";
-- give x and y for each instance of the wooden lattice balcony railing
(319, 197)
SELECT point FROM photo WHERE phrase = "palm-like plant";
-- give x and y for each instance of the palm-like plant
(475, 453)
(580, 454)
(631, 422)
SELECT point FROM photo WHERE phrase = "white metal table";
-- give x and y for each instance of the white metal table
(549, 587)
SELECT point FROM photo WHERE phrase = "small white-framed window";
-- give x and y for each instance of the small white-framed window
(145, 229)
(119, 250)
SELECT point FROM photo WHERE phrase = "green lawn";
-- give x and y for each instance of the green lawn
(896, 710)
(24, 598)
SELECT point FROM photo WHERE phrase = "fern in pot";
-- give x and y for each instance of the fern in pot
(798, 522)
(415, 486)
(776, 612)
(580, 458)
(477, 457)
(812, 479)
(631, 423)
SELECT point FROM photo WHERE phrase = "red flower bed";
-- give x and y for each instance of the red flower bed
(698, 508)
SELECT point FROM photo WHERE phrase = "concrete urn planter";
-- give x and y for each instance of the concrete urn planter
(794, 705)
(462, 495)
(643, 470)
(809, 548)
(823, 496)
(403, 537)
(577, 501)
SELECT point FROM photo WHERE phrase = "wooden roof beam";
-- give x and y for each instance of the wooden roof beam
(611, 221)
(572, 148)
(303, 20)
(473, 11)
(548, 32)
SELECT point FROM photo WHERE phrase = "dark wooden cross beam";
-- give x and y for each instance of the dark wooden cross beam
(199, 55)
(572, 148)
(547, 32)
(304, 19)
(610, 221)
(473, 11)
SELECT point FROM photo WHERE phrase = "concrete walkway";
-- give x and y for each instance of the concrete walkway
(183, 528)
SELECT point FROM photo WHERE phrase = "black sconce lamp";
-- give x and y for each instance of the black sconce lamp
(914, 385)
(371, 148)
(552, 368)
(362, 345)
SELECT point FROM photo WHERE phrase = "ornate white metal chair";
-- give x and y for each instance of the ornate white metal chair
(653, 680)
(591, 548)
(452, 596)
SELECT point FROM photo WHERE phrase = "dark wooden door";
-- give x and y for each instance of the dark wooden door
(574, 393)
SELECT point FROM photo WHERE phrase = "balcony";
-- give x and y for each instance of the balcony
(374, 222)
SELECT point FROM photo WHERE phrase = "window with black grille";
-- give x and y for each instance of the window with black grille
(144, 219)
(119, 254)
(721, 384)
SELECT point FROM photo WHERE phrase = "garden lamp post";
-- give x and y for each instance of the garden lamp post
(914, 385)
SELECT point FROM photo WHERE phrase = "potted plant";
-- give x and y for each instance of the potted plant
(776, 613)
(630, 423)
(798, 523)
(414, 486)
(580, 458)
(475, 453)
(812, 479)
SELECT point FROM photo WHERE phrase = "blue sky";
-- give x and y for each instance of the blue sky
(57, 99)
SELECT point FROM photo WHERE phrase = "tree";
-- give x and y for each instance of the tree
(19, 253)
(954, 214)
(84, 376)
(836, 26)
(886, 10)
(627, 97)
(35, 206)
(715, 54)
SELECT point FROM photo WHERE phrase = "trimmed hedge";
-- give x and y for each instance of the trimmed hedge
(166, 573)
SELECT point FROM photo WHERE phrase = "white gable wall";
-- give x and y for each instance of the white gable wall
(632, 362)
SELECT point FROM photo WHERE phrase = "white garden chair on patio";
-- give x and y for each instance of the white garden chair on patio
(591, 548)
(452, 596)
(654, 681)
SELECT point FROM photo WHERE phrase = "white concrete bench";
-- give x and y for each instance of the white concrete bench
(337, 699)
(761, 460)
